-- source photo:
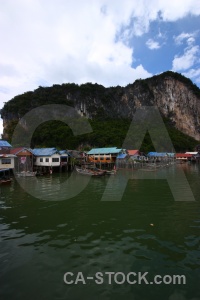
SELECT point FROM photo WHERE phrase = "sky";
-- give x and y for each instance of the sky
(109, 42)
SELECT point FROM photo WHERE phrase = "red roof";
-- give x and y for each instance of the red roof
(182, 155)
(16, 150)
(133, 152)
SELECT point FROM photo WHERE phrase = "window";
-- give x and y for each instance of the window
(41, 159)
(6, 161)
(55, 159)
(47, 159)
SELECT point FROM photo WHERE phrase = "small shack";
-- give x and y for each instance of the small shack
(24, 159)
(46, 159)
(134, 154)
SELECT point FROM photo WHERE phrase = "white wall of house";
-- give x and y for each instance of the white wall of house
(48, 161)
(7, 162)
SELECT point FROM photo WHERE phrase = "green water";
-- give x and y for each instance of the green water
(147, 231)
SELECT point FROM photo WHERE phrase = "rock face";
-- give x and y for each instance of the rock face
(177, 98)
(176, 101)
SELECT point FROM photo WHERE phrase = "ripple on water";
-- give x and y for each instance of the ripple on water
(87, 235)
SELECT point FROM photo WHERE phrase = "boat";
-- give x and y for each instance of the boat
(5, 176)
(107, 172)
(94, 168)
(89, 172)
(110, 172)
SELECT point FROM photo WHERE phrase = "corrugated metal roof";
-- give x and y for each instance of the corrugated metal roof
(16, 150)
(111, 150)
(75, 154)
(152, 154)
(64, 153)
(4, 144)
(160, 154)
(19, 149)
(121, 155)
(193, 153)
(183, 155)
(171, 154)
(44, 151)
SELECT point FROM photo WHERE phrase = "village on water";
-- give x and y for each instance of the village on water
(27, 162)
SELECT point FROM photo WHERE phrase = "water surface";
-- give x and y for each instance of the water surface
(147, 231)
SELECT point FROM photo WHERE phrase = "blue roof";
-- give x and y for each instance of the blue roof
(161, 154)
(4, 144)
(64, 153)
(121, 155)
(111, 150)
(44, 151)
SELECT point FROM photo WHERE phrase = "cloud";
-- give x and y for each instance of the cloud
(48, 42)
(189, 37)
(187, 60)
(151, 44)
(60, 43)
(193, 73)
(77, 41)
(7, 70)
(144, 12)
(173, 10)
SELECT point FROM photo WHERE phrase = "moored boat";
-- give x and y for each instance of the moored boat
(94, 168)
(110, 172)
(107, 172)
(89, 172)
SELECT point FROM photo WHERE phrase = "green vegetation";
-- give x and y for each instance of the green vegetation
(66, 93)
(109, 133)
(105, 134)
(100, 103)
(57, 94)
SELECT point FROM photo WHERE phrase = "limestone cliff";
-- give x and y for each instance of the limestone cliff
(177, 98)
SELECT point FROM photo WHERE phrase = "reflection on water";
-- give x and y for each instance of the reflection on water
(147, 231)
